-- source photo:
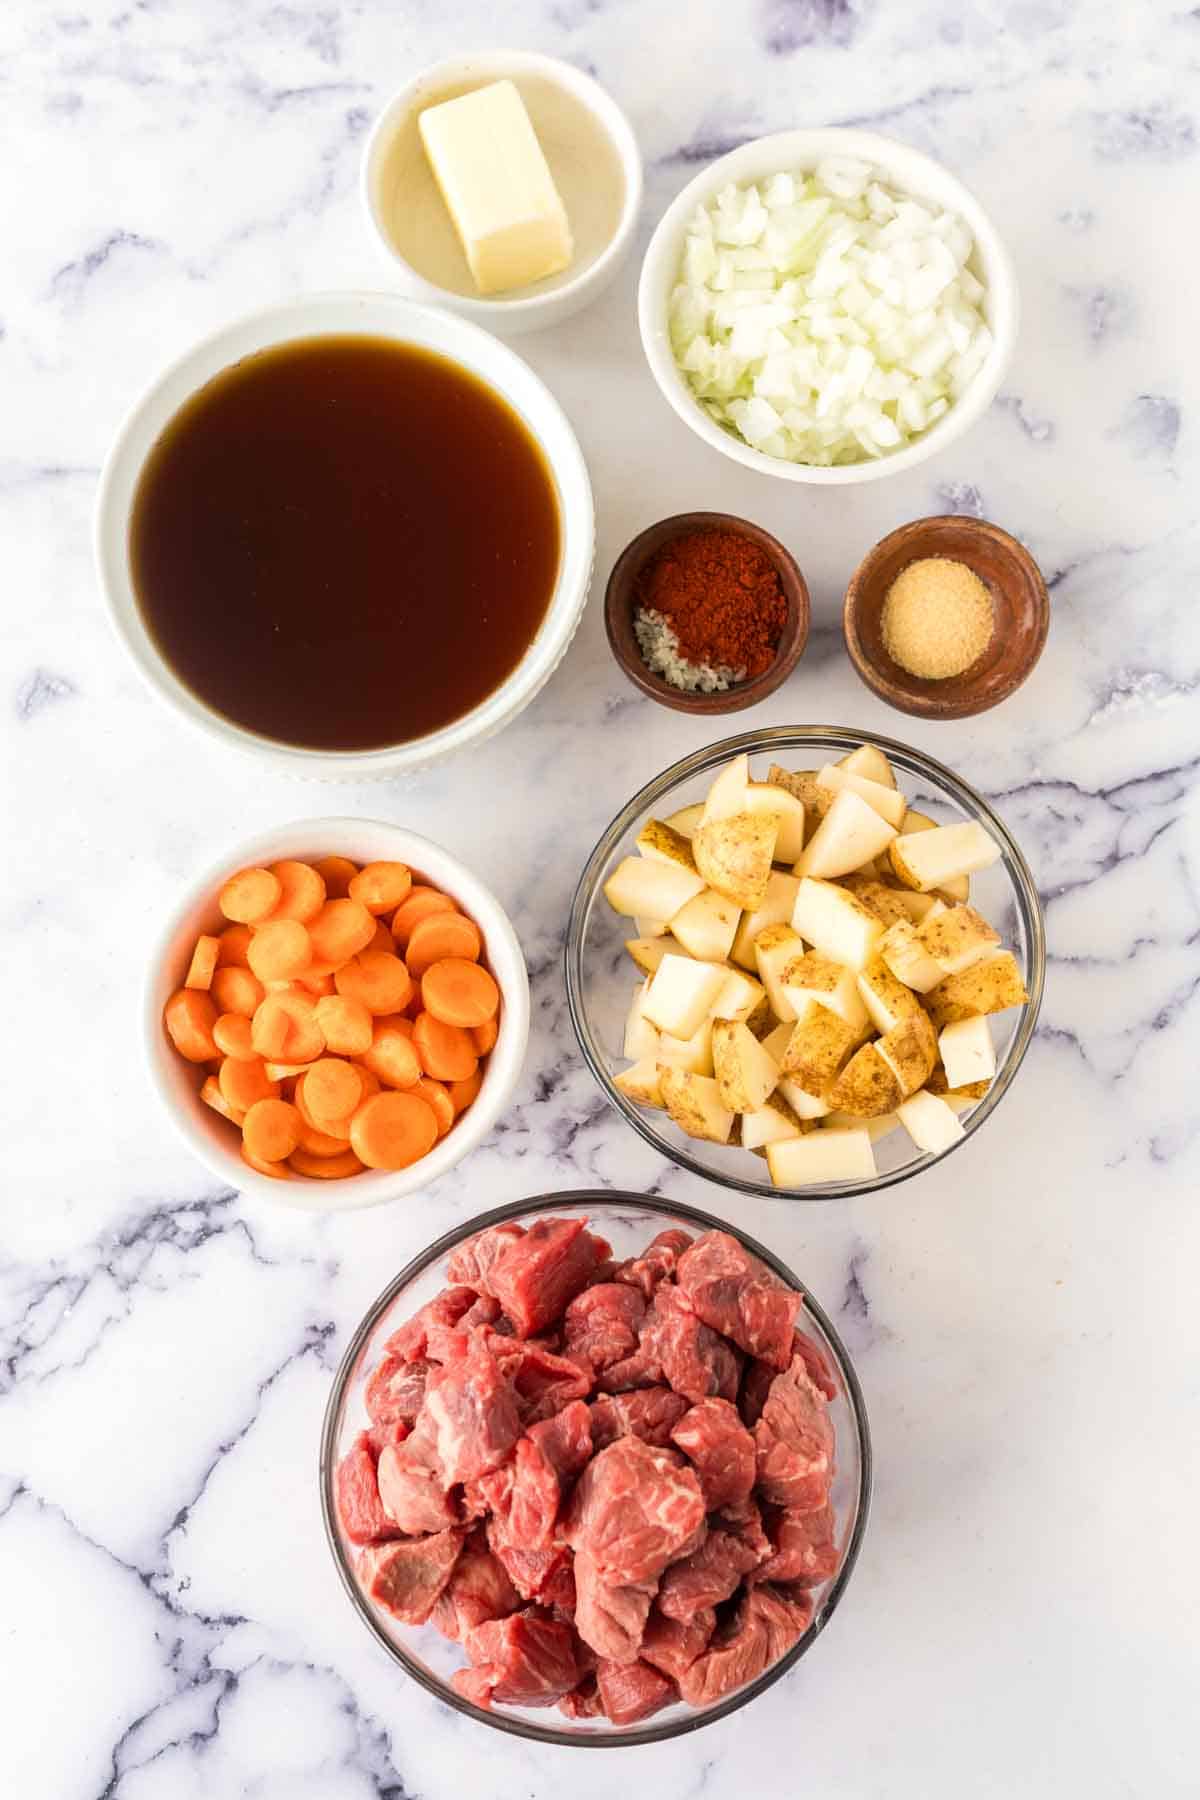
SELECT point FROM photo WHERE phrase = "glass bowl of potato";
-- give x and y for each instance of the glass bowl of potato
(805, 964)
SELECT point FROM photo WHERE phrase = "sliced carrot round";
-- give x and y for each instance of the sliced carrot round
(392, 1131)
(445, 1051)
(243, 1083)
(459, 992)
(484, 1037)
(212, 1096)
(382, 886)
(233, 944)
(278, 1171)
(438, 1097)
(441, 935)
(401, 1021)
(271, 1130)
(236, 990)
(325, 1168)
(231, 1035)
(340, 930)
(285, 1029)
(316, 985)
(249, 896)
(421, 903)
(392, 1057)
(376, 977)
(464, 1092)
(346, 1024)
(315, 1142)
(281, 950)
(286, 1071)
(337, 872)
(189, 1017)
(203, 965)
(332, 1088)
(383, 939)
(302, 892)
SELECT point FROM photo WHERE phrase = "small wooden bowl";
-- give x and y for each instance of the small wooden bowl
(1019, 601)
(620, 604)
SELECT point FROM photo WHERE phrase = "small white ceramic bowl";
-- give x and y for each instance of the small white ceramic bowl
(904, 169)
(213, 1139)
(593, 156)
(369, 315)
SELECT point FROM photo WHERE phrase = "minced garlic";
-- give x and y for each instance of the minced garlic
(937, 618)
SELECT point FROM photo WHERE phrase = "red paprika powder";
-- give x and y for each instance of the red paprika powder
(721, 596)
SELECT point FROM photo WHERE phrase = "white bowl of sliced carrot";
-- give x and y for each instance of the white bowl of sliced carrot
(337, 1014)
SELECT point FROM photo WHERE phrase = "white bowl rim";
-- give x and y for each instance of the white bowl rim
(336, 835)
(511, 314)
(783, 149)
(370, 313)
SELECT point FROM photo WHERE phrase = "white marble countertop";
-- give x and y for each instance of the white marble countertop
(1024, 1617)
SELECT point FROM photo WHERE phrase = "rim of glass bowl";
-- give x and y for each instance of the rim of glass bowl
(581, 1199)
(784, 737)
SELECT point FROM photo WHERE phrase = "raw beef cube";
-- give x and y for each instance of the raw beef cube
(794, 1443)
(532, 1572)
(406, 1577)
(656, 1263)
(583, 1702)
(691, 1357)
(478, 1590)
(535, 1276)
(756, 1385)
(413, 1487)
(673, 1645)
(382, 1436)
(816, 1364)
(739, 1297)
(744, 1521)
(473, 1412)
(764, 1627)
(545, 1463)
(610, 1616)
(633, 1691)
(543, 1381)
(601, 1324)
(558, 1590)
(720, 1448)
(634, 1510)
(805, 1551)
(472, 1261)
(358, 1504)
(396, 1392)
(648, 1413)
(565, 1440)
(706, 1577)
(637, 1371)
(425, 1334)
(524, 1660)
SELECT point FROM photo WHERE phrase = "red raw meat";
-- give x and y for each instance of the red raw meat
(565, 1440)
(633, 1691)
(738, 1296)
(396, 1392)
(406, 1577)
(543, 1381)
(413, 1487)
(583, 1702)
(534, 1573)
(601, 1324)
(558, 1590)
(794, 1443)
(610, 1616)
(764, 1627)
(706, 1577)
(535, 1276)
(684, 1351)
(756, 1385)
(524, 1660)
(358, 1504)
(805, 1552)
(816, 1364)
(673, 1645)
(472, 1409)
(648, 1413)
(425, 1334)
(472, 1261)
(478, 1590)
(634, 1510)
(745, 1522)
(656, 1263)
(720, 1448)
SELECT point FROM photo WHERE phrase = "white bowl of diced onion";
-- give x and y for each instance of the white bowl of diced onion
(827, 305)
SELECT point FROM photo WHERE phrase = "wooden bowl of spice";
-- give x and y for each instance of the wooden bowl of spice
(706, 612)
(946, 617)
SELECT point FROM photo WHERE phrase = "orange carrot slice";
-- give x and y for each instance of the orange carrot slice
(271, 1130)
(249, 896)
(484, 1037)
(332, 1089)
(382, 886)
(376, 977)
(438, 936)
(231, 1035)
(337, 872)
(346, 1024)
(392, 1131)
(464, 1092)
(189, 1018)
(284, 1028)
(278, 1171)
(302, 891)
(459, 992)
(438, 1097)
(421, 902)
(236, 990)
(281, 950)
(315, 1142)
(445, 1051)
(383, 939)
(391, 1057)
(203, 965)
(234, 942)
(212, 1096)
(242, 1083)
(324, 1168)
(340, 930)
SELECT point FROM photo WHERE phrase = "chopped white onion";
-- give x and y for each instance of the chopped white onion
(825, 318)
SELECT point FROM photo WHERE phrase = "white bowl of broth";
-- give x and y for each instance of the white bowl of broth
(349, 534)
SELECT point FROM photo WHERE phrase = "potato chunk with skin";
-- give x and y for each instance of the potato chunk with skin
(831, 984)
(888, 904)
(659, 842)
(870, 761)
(741, 997)
(648, 952)
(819, 1047)
(930, 859)
(835, 923)
(727, 794)
(967, 1052)
(694, 1053)
(641, 888)
(734, 855)
(888, 802)
(788, 812)
(910, 1051)
(707, 925)
(746, 1073)
(957, 938)
(967, 1095)
(772, 1123)
(686, 820)
(887, 1001)
(802, 784)
(681, 994)
(848, 836)
(776, 909)
(694, 1103)
(774, 949)
(931, 1124)
(821, 1156)
(986, 987)
(807, 1107)
(640, 1083)
(867, 1086)
(906, 956)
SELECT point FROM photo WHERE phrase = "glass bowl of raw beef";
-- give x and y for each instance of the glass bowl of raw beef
(595, 1470)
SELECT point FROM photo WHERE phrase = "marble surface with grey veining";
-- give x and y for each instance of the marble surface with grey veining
(1024, 1617)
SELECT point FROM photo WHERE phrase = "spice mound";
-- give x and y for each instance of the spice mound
(937, 618)
(710, 611)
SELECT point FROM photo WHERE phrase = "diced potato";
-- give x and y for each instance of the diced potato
(806, 1106)
(866, 1087)
(640, 1083)
(871, 762)
(741, 997)
(662, 843)
(694, 1103)
(930, 1123)
(777, 803)
(887, 801)
(938, 1084)
(957, 938)
(916, 906)
(802, 785)
(831, 984)
(835, 923)
(906, 956)
(771, 1123)
(774, 949)
(887, 903)
(686, 819)
(929, 859)
(955, 891)
(819, 1047)
(776, 909)
(821, 1156)
(960, 1102)
(727, 795)
(640, 888)
(776, 1041)
(967, 1052)
(651, 928)
(987, 987)
(641, 1037)
(648, 952)
(746, 1073)
(910, 1051)
(707, 925)
(887, 1001)
(681, 994)
(734, 855)
(875, 1128)
(694, 1053)
(847, 836)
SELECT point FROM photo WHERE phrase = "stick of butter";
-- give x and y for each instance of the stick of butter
(497, 186)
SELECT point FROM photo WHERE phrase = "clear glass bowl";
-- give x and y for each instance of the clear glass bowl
(628, 1221)
(600, 977)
